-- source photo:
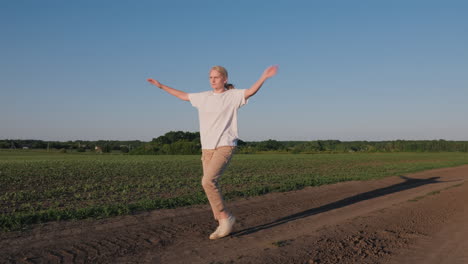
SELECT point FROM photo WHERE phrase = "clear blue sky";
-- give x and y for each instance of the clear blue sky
(349, 70)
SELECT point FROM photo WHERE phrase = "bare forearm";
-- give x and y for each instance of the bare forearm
(179, 94)
(268, 73)
(255, 87)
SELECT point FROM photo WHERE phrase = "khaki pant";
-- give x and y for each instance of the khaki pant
(214, 162)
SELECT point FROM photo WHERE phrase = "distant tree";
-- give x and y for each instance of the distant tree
(124, 149)
(39, 144)
(107, 148)
(241, 143)
(161, 140)
(176, 136)
(4, 144)
(81, 149)
(269, 145)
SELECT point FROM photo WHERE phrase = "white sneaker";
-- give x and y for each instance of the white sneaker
(224, 228)
(215, 235)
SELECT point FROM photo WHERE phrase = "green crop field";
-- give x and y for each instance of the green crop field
(37, 187)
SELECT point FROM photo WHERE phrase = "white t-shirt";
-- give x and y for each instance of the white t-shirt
(217, 113)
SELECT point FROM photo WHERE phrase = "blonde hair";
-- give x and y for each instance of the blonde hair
(223, 71)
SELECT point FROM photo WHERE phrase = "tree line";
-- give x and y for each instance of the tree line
(179, 142)
(186, 143)
(171, 143)
(75, 145)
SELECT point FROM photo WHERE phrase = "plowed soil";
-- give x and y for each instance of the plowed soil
(415, 218)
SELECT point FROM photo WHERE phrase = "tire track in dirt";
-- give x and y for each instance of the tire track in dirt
(345, 222)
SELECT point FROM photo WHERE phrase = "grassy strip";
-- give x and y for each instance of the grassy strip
(22, 220)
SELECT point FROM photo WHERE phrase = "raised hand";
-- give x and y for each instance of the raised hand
(155, 82)
(270, 71)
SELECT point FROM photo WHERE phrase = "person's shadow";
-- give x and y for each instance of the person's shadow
(409, 183)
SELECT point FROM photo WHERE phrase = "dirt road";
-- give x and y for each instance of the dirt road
(417, 218)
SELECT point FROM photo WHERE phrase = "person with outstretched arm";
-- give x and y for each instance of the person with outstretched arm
(217, 113)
